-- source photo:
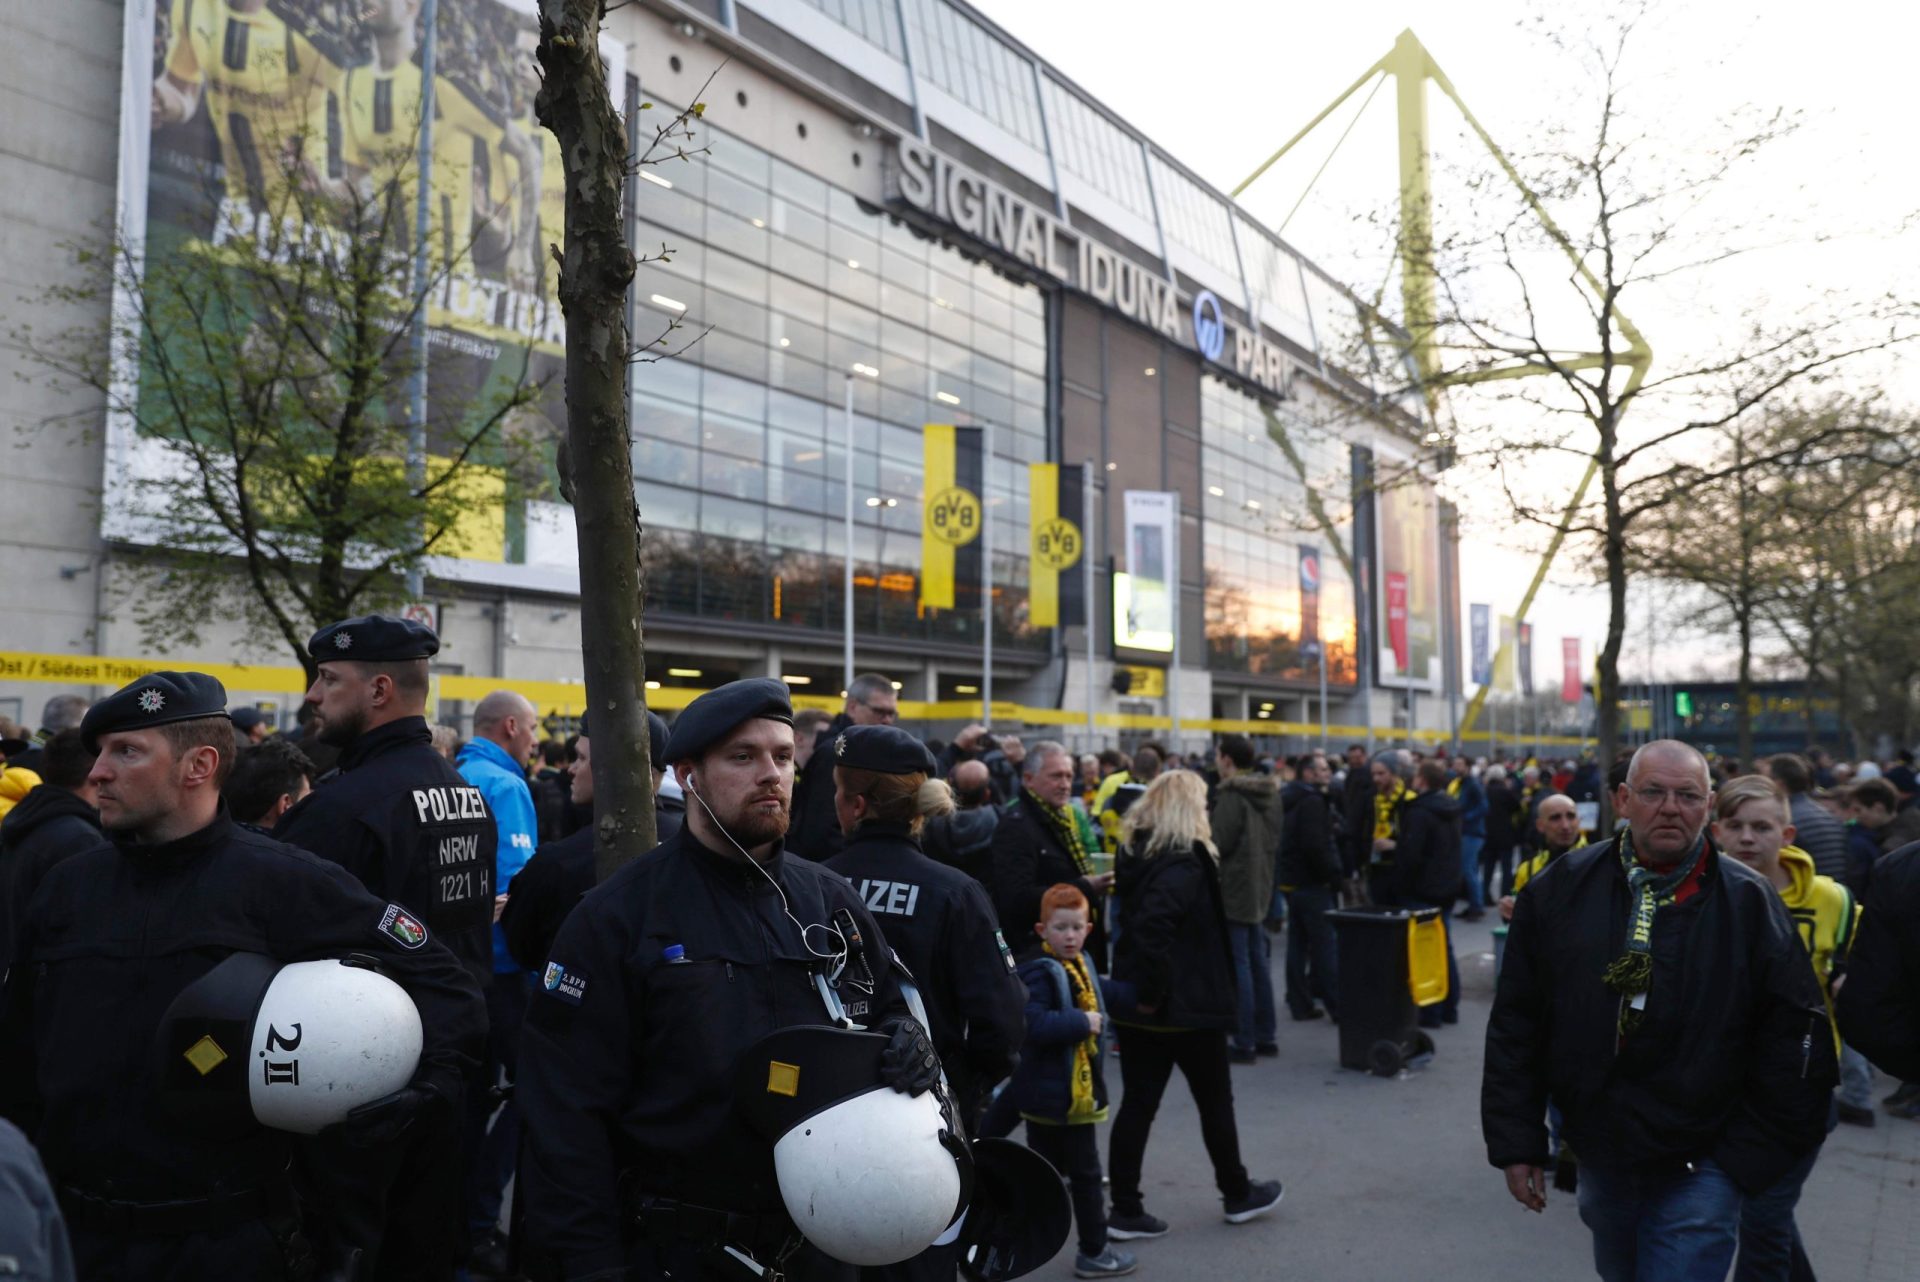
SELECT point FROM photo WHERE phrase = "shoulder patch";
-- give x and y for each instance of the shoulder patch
(401, 926)
(567, 985)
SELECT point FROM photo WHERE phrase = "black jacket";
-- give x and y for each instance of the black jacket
(398, 816)
(49, 824)
(964, 840)
(1308, 854)
(1028, 859)
(1356, 803)
(1426, 858)
(939, 921)
(1173, 949)
(1879, 1005)
(1503, 815)
(815, 831)
(552, 882)
(1734, 1060)
(627, 1060)
(114, 934)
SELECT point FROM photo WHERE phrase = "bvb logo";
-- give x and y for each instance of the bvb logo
(953, 516)
(1056, 544)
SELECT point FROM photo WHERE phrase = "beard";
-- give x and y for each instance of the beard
(756, 828)
(341, 731)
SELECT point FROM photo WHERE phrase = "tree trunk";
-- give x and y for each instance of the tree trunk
(1606, 692)
(1743, 693)
(576, 103)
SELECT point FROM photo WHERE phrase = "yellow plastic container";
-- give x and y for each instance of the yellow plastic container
(1427, 960)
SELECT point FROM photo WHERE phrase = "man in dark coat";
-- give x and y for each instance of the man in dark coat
(1426, 869)
(816, 834)
(1356, 804)
(1039, 844)
(53, 821)
(1310, 872)
(964, 839)
(1815, 830)
(1658, 994)
(1879, 1005)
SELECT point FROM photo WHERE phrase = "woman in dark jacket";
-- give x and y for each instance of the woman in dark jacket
(1174, 999)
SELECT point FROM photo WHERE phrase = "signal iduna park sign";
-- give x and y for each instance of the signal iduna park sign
(948, 193)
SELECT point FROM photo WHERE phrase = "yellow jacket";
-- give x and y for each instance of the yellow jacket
(15, 783)
(1825, 914)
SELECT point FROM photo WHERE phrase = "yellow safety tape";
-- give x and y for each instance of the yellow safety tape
(568, 699)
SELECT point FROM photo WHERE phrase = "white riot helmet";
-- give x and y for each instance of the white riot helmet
(870, 1176)
(292, 1047)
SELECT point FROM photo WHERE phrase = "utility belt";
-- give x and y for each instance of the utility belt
(746, 1245)
(182, 1217)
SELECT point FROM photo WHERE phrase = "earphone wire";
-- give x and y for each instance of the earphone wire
(839, 958)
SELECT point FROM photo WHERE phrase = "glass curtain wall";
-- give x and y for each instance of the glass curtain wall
(1257, 520)
(779, 287)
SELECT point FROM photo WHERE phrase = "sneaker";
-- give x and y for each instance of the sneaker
(1110, 1263)
(1909, 1107)
(1315, 1013)
(1261, 1196)
(1906, 1092)
(1854, 1115)
(1470, 914)
(1266, 1048)
(1237, 1056)
(1125, 1228)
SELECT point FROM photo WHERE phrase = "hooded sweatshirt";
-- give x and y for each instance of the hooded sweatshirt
(1824, 913)
(1246, 829)
(46, 826)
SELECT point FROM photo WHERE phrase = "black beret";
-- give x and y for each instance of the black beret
(157, 699)
(888, 750)
(246, 716)
(656, 737)
(715, 715)
(374, 638)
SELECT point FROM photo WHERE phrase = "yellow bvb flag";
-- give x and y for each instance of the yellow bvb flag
(1057, 511)
(951, 517)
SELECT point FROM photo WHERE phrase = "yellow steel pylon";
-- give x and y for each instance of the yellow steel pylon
(1412, 69)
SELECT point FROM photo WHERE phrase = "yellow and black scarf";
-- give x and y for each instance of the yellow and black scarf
(1080, 984)
(1631, 973)
(1059, 820)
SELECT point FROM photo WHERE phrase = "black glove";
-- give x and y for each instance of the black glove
(909, 1064)
(386, 1119)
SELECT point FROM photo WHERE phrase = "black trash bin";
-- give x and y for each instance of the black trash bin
(1379, 1023)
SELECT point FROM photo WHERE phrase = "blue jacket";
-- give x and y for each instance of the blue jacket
(486, 765)
(1043, 1083)
(1472, 797)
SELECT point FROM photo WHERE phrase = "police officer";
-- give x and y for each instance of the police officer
(397, 815)
(937, 918)
(546, 890)
(113, 935)
(659, 982)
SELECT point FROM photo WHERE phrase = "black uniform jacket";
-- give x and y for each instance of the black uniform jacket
(1734, 1058)
(398, 816)
(50, 824)
(1879, 1005)
(939, 921)
(546, 890)
(114, 934)
(626, 1060)
(816, 827)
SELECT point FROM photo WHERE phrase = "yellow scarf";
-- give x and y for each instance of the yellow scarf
(1084, 1107)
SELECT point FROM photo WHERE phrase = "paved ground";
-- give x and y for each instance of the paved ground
(1388, 1179)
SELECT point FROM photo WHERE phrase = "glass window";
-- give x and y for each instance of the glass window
(655, 460)
(667, 507)
(1194, 217)
(739, 478)
(732, 519)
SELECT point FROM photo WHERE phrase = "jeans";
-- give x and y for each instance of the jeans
(1679, 1226)
(495, 1148)
(1470, 848)
(1769, 1239)
(1253, 977)
(1147, 1060)
(1076, 1156)
(1856, 1079)
(1312, 966)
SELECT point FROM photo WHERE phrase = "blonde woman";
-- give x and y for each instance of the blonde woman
(1175, 999)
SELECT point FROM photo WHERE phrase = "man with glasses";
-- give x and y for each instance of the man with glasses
(816, 834)
(1657, 993)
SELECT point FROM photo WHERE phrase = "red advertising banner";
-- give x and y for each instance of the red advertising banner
(1570, 669)
(1397, 619)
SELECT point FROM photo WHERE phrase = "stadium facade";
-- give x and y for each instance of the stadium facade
(892, 200)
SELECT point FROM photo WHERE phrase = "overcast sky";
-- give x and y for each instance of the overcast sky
(1222, 85)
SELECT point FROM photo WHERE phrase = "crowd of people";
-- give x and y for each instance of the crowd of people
(1021, 925)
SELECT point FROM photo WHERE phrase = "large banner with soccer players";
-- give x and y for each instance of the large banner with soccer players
(266, 127)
